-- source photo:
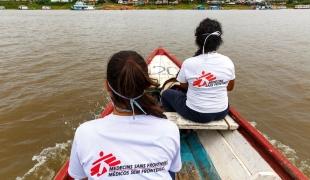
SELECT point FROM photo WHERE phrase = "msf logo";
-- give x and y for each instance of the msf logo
(204, 79)
(99, 167)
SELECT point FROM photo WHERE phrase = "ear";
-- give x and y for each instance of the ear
(107, 86)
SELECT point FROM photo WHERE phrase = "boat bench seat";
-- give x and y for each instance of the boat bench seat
(233, 157)
(225, 124)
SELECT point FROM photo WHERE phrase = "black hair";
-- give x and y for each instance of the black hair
(206, 27)
(127, 74)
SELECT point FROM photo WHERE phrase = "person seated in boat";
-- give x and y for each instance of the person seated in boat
(207, 76)
(135, 141)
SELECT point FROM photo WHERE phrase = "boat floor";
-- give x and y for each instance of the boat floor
(216, 150)
(196, 163)
(218, 154)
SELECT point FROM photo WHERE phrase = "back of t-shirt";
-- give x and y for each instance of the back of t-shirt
(120, 147)
(207, 76)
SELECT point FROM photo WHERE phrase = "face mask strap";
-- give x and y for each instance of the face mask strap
(132, 101)
(216, 33)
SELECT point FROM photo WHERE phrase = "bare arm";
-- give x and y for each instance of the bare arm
(184, 86)
(231, 85)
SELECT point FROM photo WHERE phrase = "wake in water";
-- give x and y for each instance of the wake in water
(46, 161)
(290, 153)
(50, 159)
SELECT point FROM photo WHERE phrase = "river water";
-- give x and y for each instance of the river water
(52, 68)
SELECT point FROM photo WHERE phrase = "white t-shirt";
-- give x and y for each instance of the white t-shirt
(120, 147)
(207, 76)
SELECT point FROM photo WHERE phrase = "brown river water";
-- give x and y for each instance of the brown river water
(52, 68)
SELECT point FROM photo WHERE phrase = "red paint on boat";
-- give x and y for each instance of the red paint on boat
(281, 165)
(162, 51)
(107, 110)
(63, 172)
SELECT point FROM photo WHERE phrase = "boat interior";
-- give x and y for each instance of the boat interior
(214, 150)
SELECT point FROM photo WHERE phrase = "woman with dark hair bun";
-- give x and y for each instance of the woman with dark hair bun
(135, 141)
(207, 77)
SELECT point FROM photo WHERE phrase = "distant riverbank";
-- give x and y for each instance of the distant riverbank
(115, 6)
(34, 5)
(181, 6)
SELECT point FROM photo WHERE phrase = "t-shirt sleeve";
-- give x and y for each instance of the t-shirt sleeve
(182, 76)
(233, 72)
(176, 163)
(231, 67)
(75, 169)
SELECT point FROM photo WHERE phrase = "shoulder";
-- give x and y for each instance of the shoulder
(171, 130)
(167, 133)
(162, 121)
(223, 57)
(91, 126)
(165, 125)
(191, 61)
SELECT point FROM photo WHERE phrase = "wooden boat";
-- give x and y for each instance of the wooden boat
(23, 7)
(302, 6)
(227, 149)
(80, 5)
(46, 8)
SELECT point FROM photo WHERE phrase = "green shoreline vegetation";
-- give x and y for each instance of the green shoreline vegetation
(37, 5)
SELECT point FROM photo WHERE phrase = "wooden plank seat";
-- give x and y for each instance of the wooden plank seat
(225, 124)
(233, 157)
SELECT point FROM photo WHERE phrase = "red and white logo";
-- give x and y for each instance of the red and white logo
(204, 79)
(101, 165)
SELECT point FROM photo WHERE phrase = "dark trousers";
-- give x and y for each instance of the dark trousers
(175, 101)
(172, 174)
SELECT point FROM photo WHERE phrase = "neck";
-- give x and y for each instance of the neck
(211, 52)
(121, 111)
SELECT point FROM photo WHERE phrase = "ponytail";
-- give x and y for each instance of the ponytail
(127, 74)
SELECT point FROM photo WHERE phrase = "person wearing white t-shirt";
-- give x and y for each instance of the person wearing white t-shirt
(207, 77)
(135, 142)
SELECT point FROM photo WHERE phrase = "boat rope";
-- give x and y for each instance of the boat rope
(132, 101)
